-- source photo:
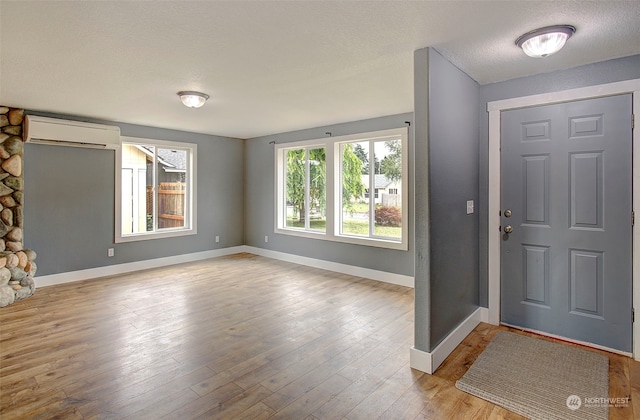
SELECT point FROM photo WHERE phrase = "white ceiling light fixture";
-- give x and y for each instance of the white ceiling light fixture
(545, 41)
(193, 99)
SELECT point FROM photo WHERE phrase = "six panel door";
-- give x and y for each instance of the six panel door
(566, 185)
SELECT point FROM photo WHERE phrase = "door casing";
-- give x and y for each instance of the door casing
(495, 108)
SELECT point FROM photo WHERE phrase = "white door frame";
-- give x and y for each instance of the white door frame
(495, 108)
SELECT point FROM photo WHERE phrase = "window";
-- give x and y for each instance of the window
(155, 189)
(322, 189)
(305, 185)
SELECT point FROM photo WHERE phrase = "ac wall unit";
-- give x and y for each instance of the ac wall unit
(54, 131)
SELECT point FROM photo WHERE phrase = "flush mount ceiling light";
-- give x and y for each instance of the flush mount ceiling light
(193, 99)
(545, 41)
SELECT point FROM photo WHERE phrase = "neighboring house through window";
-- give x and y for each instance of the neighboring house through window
(155, 182)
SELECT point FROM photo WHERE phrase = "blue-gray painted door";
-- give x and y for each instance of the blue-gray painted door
(566, 180)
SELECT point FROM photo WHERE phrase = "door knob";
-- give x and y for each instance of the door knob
(508, 229)
(507, 213)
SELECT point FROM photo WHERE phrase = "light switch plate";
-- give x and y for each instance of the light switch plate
(470, 207)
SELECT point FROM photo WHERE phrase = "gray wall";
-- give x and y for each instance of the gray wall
(260, 192)
(589, 75)
(449, 140)
(69, 202)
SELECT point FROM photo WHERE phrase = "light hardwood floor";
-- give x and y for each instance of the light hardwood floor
(239, 337)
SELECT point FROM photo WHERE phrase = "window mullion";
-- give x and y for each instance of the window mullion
(337, 190)
(339, 186)
(307, 188)
(187, 193)
(154, 196)
(330, 190)
(372, 187)
(282, 161)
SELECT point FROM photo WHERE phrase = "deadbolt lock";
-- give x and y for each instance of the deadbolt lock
(507, 213)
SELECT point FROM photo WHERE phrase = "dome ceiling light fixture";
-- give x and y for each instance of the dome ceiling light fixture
(545, 41)
(193, 99)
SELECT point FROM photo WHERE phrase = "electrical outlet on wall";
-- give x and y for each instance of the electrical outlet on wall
(266, 238)
(110, 252)
(217, 239)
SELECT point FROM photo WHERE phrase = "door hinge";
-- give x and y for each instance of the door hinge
(633, 218)
(633, 315)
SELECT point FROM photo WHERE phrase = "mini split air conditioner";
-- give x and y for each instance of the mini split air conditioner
(43, 130)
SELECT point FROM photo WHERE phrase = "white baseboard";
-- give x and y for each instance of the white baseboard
(111, 270)
(429, 362)
(352, 270)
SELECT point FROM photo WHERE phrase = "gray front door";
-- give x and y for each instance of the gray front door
(566, 184)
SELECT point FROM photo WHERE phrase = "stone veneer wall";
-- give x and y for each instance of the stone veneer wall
(17, 266)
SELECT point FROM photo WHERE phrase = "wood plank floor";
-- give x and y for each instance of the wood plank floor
(239, 337)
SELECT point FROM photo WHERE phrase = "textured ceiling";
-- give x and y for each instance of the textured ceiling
(271, 67)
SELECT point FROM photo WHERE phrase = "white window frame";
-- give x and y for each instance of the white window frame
(282, 196)
(190, 199)
(334, 189)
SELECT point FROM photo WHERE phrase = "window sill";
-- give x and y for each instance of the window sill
(155, 235)
(354, 240)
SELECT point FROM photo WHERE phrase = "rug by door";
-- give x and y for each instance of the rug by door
(539, 379)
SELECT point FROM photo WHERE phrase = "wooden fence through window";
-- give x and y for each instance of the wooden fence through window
(171, 197)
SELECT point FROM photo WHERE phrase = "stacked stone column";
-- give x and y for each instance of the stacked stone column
(17, 266)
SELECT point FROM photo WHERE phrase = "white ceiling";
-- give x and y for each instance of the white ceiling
(271, 66)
